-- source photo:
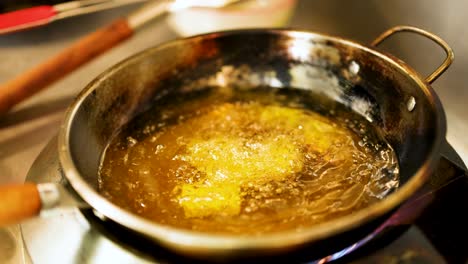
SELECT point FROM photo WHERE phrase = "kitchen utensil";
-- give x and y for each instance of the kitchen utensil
(44, 14)
(25, 85)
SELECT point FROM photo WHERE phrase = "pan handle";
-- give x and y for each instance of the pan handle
(19, 202)
(448, 50)
(22, 201)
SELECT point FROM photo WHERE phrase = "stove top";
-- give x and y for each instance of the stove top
(438, 235)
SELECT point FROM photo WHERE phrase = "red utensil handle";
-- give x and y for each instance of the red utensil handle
(26, 18)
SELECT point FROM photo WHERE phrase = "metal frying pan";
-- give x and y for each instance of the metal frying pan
(380, 87)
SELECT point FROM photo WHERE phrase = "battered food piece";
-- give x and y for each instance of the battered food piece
(200, 200)
(231, 157)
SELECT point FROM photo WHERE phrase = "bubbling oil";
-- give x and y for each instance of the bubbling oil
(247, 162)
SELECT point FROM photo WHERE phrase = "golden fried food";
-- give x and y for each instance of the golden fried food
(230, 157)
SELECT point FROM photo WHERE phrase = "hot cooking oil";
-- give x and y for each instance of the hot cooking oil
(247, 162)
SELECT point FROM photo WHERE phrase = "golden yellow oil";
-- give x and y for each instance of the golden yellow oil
(247, 162)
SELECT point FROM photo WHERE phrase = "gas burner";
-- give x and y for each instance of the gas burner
(436, 235)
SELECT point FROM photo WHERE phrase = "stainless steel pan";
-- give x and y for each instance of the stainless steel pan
(378, 86)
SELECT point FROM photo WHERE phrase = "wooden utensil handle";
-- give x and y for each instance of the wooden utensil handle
(87, 48)
(18, 202)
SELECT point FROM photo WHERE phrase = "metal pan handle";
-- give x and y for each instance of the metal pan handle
(448, 50)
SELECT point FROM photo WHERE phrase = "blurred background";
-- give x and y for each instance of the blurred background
(25, 130)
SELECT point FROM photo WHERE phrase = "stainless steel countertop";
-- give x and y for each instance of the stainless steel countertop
(25, 131)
